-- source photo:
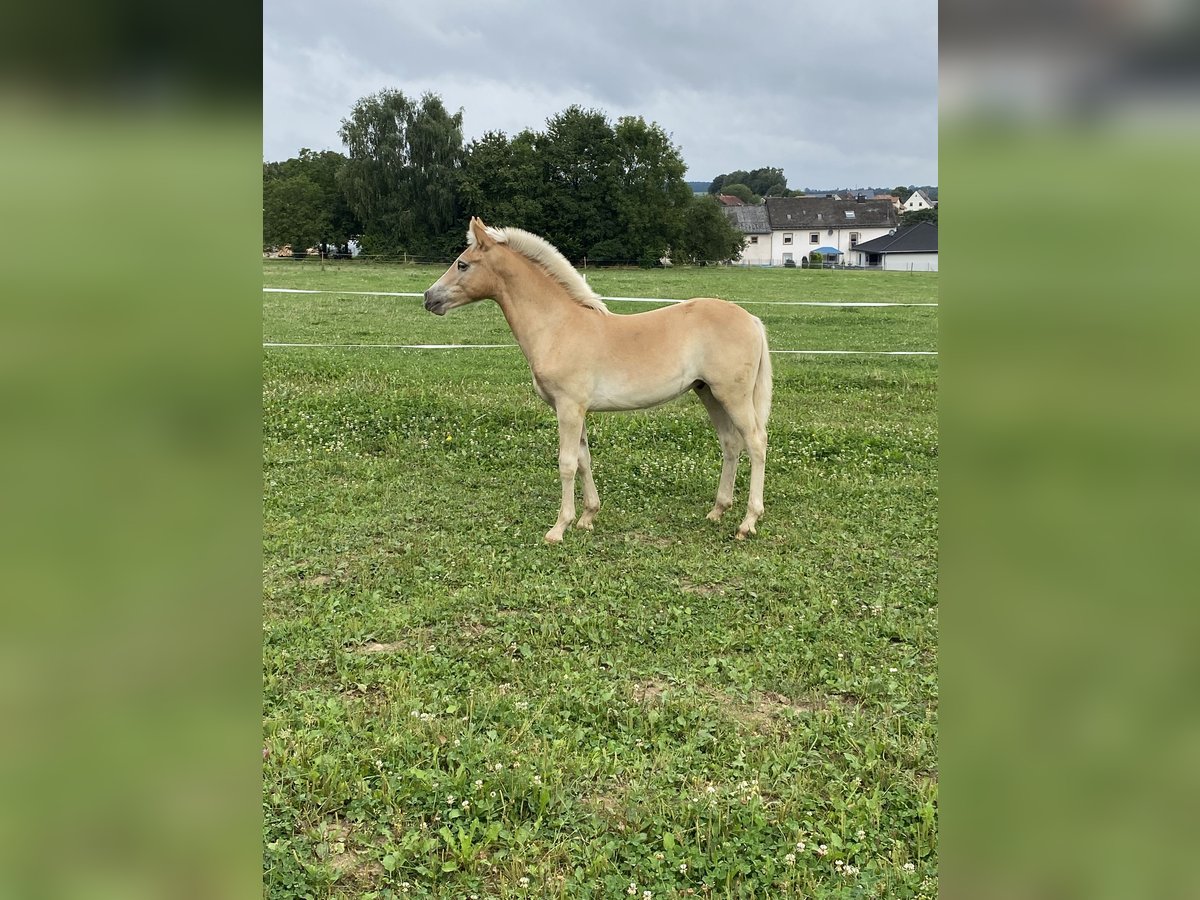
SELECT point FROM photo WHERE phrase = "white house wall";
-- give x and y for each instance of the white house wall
(910, 262)
(801, 246)
(756, 254)
(915, 202)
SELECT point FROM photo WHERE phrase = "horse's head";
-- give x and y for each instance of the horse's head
(469, 277)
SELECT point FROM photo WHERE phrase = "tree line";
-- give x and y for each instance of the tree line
(604, 191)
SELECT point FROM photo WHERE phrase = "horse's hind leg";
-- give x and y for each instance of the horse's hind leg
(731, 450)
(741, 413)
(591, 497)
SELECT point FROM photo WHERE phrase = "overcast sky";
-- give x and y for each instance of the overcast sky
(835, 94)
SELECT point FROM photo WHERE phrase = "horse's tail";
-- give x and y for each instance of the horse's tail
(762, 383)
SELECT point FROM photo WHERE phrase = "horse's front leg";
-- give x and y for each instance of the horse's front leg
(570, 427)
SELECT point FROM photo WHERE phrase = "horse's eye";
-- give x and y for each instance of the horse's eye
(462, 266)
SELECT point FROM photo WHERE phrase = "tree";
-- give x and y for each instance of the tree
(919, 215)
(765, 182)
(652, 195)
(742, 192)
(580, 168)
(302, 201)
(402, 175)
(502, 181)
(294, 212)
(707, 234)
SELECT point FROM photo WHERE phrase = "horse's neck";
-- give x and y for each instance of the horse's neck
(536, 307)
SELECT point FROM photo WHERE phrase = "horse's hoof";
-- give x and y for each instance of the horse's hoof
(552, 538)
(740, 536)
(715, 515)
(584, 526)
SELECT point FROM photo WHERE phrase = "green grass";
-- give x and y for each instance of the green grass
(651, 703)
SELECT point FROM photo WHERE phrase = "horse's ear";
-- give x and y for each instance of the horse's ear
(483, 240)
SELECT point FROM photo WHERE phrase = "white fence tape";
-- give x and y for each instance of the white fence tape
(278, 290)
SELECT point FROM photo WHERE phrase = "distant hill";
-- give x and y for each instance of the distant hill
(929, 189)
(699, 187)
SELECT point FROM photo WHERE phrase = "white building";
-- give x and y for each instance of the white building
(833, 228)
(918, 200)
(913, 248)
(752, 222)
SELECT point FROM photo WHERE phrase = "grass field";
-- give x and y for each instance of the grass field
(454, 709)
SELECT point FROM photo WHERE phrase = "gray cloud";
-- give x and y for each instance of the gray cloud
(844, 95)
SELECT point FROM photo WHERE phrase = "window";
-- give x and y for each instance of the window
(787, 238)
(853, 239)
(754, 238)
(849, 214)
(814, 237)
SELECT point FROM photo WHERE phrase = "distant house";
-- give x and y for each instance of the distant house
(913, 248)
(834, 228)
(892, 197)
(918, 200)
(753, 223)
(730, 200)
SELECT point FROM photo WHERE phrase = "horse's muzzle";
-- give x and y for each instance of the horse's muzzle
(433, 306)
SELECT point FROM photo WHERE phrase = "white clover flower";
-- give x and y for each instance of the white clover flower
(682, 867)
(632, 889)
(860, 834)
(909, 867)
(800, 845)
(790, 859)
(523, 881)
(466, 804)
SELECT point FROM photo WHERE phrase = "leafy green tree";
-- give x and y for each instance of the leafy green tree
(742, 192)
(765, 182)
(580, 168)
(294, 212)
(653, 197)
(291, 209)
(707, 234)
(718, 183)
(402, 175)
(502, 182)
(919, 215)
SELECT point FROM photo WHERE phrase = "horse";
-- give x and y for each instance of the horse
(586, 358)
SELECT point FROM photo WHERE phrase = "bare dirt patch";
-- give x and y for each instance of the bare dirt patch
(650, 691)
(377, 647)
(652, 540)
(764, 710)
(704, 590)
(474, 630)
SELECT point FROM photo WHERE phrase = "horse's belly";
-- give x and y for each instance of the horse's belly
(612, 395)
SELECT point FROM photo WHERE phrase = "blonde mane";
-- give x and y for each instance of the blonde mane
(546, 255)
